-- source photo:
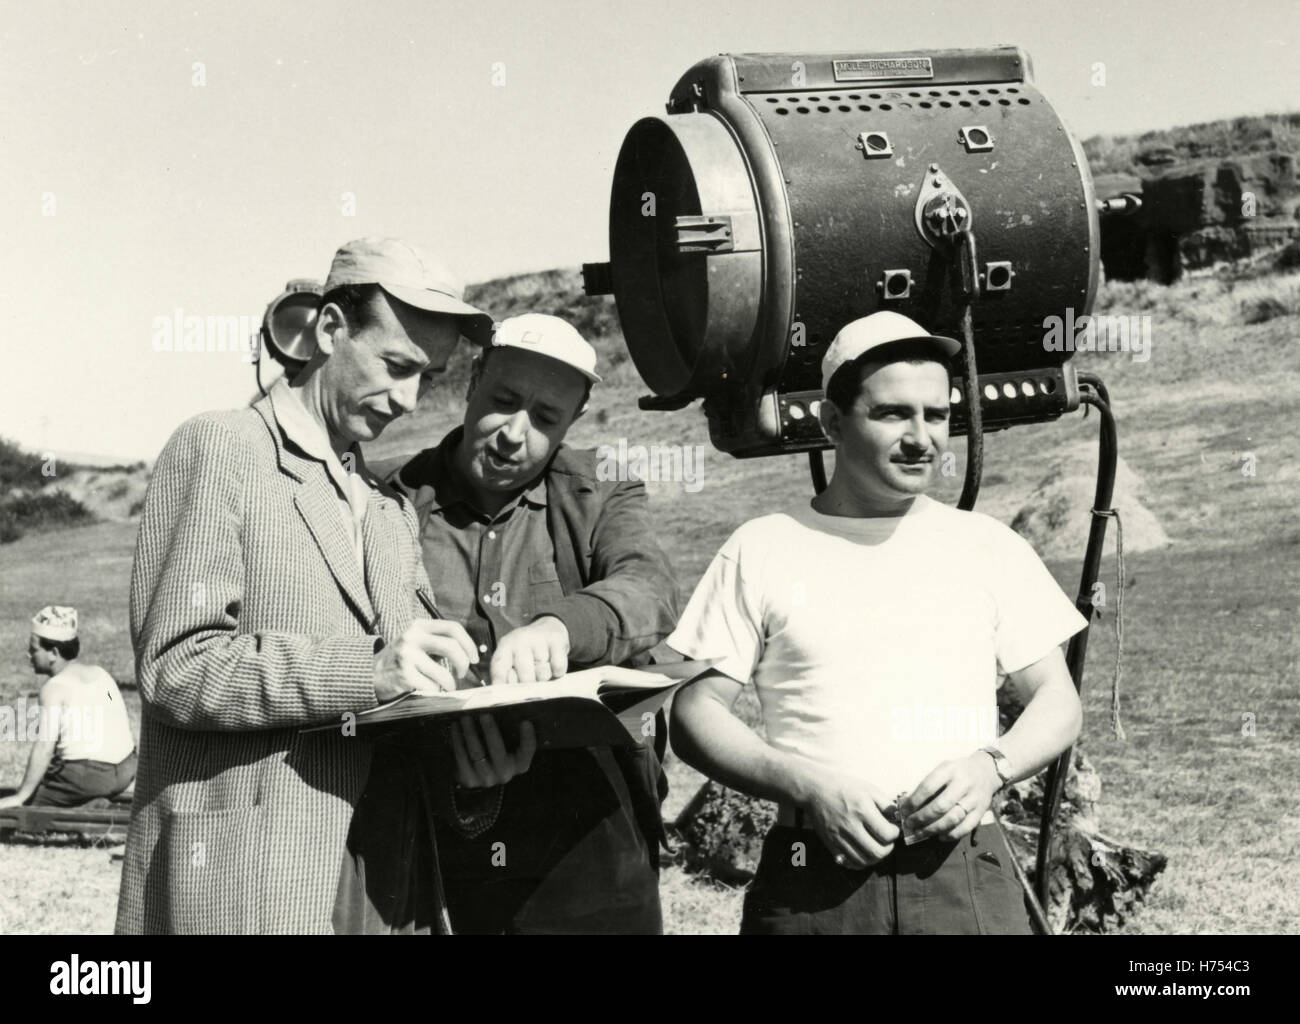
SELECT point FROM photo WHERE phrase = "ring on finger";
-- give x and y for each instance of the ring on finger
(470, 743)
(962, 806)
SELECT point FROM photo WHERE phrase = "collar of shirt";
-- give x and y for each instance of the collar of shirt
(447, 486)
(306, 432)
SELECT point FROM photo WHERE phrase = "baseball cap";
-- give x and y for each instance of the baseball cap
(548, 336)
(411, 275)
(862, 335)
(55, 622)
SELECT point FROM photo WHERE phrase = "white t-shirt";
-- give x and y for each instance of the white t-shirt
(875, 644)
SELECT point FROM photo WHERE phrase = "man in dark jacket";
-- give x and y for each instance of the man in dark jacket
(549, 567)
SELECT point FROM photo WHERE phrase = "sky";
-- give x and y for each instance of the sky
(164, 159)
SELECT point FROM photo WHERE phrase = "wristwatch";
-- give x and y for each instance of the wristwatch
(1000, 763)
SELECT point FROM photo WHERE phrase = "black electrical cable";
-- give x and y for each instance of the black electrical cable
(817, 467)
(257, 371)
(970, 487)
(968, 283)
(1095, 382)
(1108, 453)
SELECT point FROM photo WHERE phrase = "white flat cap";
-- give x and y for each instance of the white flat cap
(862, 335)
(548, 336)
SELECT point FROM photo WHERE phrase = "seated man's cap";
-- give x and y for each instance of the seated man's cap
(410, 274)
(55, 622)
(861, 336)
(548, 336)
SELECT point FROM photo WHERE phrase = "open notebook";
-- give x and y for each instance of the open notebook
(606, 706)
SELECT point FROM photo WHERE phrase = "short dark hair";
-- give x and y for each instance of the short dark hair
(480, 361)
(357, 301)
(845, 385)
(65, 649)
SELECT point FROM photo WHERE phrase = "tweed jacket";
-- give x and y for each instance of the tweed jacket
(250, 619)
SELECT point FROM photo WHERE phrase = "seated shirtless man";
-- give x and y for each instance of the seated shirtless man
(83, 747)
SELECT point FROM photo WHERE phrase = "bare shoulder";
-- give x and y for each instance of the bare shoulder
(81, 673)
(59, 689)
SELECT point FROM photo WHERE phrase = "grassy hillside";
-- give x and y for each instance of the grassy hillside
(1234, 137)
(39, 492)
(1210, 637)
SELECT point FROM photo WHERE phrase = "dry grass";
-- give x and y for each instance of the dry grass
(1205, 300)
(63, 889)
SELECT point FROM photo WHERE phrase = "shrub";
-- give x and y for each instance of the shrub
(1289, 257)
(17, 467)
(44, 510)
(1258, 311)
(10, 531)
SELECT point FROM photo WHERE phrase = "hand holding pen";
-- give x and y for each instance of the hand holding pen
(427, 601)
(430, 655)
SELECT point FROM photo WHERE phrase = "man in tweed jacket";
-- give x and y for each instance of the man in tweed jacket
(275, 587)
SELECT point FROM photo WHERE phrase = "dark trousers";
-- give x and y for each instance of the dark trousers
(69, 783)
(566, 855)
(604, 885)
(932, 888)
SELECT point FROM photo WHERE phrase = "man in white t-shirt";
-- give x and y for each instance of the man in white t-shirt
(874, 623)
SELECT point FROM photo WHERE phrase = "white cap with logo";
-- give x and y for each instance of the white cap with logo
(548, 336)
(860, 336)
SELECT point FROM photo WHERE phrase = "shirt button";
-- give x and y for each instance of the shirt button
(482, 648)
(487, 598)
(492, 535)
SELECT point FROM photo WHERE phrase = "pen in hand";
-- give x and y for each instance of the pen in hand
(432, 609)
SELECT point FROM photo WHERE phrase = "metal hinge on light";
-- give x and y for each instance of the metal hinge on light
(717, 232)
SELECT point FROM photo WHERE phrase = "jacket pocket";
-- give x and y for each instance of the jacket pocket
(213, 878)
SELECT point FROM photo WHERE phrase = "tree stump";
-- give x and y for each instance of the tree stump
(1095, 882)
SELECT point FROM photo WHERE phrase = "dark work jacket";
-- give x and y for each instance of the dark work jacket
(620, 595)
